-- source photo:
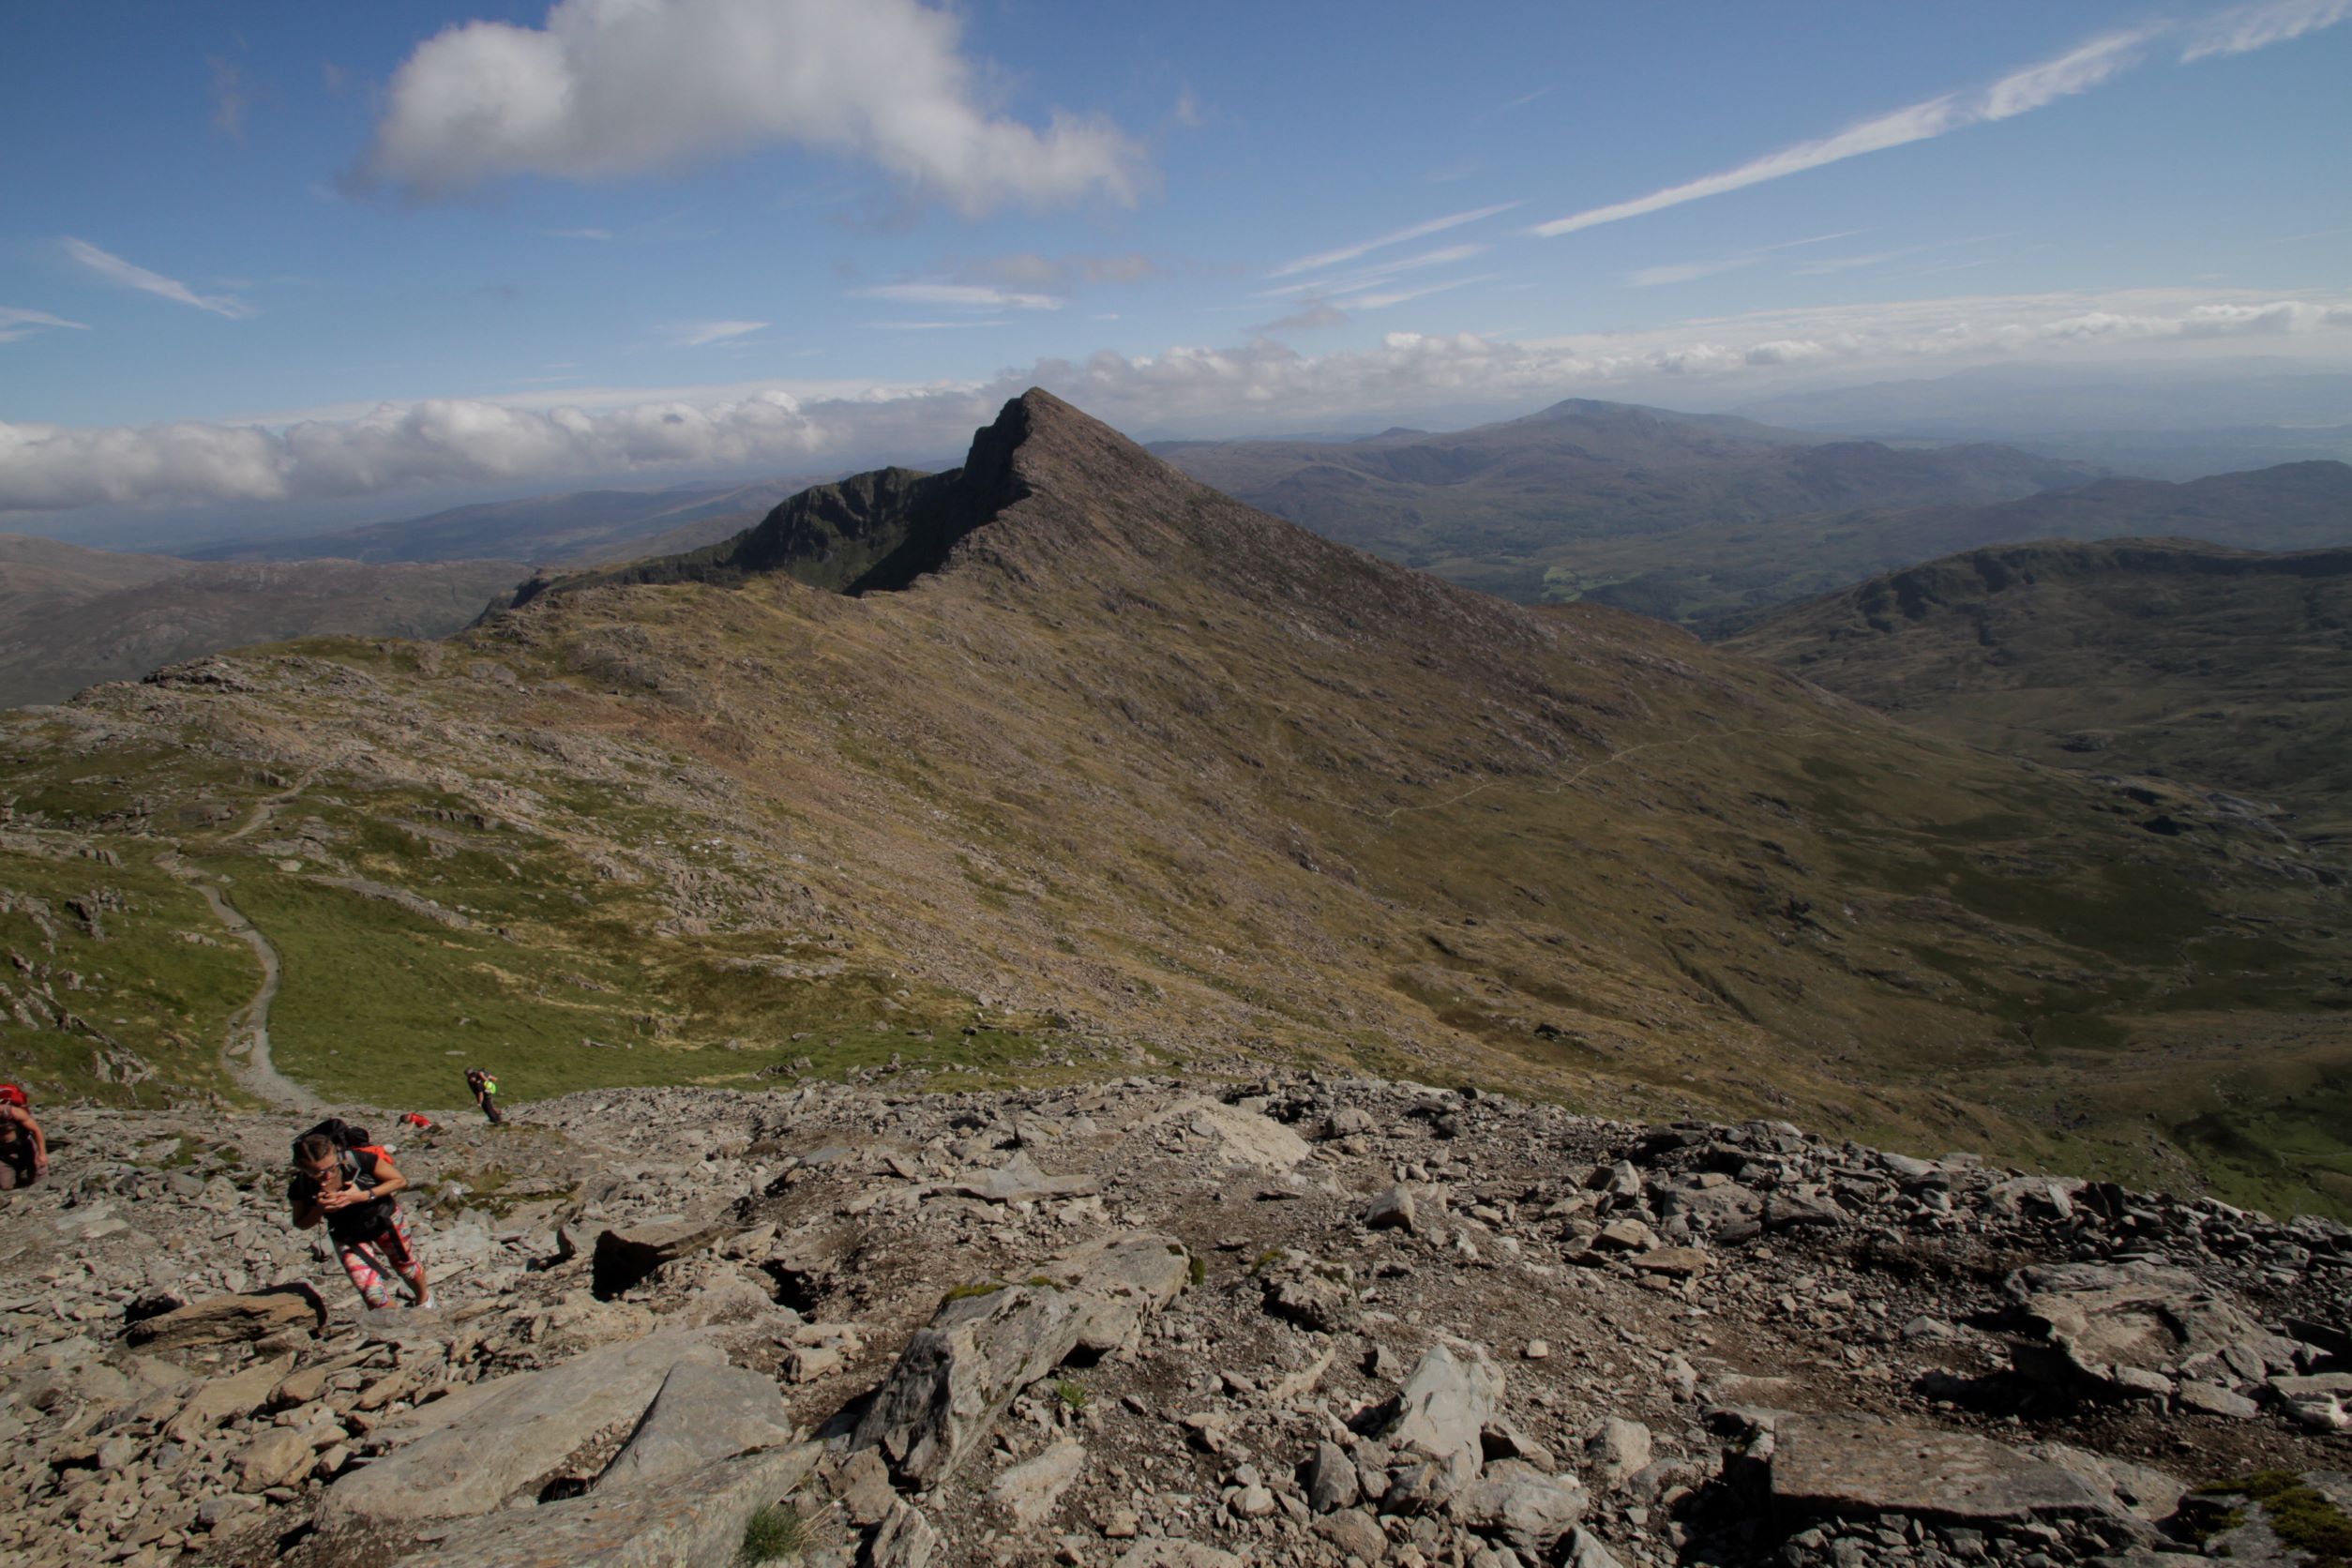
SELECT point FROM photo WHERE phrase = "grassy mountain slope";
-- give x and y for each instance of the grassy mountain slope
(1721, 579)
(2179, 660)
(71, 617)
(1495, 508)
(1137, 772)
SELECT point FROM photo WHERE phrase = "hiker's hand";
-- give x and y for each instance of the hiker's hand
(342, 1197)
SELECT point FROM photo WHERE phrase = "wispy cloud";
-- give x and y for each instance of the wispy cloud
(2077, 71)
(935, 326)
(1444, 255)
(1683, 272)
(2246, 28)
(131, 276)
(15, 323)
(977, 296)
(1311, 316)
(1382, 301)
(1418, 230)
(232, 95)
(698, 335)
(580, 233)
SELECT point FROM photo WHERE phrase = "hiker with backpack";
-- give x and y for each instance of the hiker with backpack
(485, 1090)
(349, 1183)
(24, 1147)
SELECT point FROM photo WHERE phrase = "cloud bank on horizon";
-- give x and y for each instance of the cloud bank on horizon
(45, 468)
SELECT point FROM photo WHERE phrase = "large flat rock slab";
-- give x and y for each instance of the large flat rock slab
(693, 1518)
(1850, 1467)
(703, 1413)
(510, 1432)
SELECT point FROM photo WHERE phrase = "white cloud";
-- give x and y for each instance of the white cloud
(116, 270)
(1349, 252)
(580, 233)
(697, 334)
(15, 323)
(611, 88)
(936, 327)
(2246, 28)
(2032, 87)
(978, 296)
(561, 436)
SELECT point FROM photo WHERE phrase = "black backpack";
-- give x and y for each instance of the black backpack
(346, 1135)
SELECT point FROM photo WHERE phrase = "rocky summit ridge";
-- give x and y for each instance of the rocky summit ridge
(1160, 1323)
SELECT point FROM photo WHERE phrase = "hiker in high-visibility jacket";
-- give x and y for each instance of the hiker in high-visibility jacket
(350, 1186)
(485, 1090)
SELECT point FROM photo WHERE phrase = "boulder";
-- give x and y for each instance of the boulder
(623, 1258)
(224, 1399)
(1237, 1137)
(229, 1319)
(1331, 1479)
(987, 1343)
(505, 1432)
(277, 1458)
(693, 1516)
(1355, 1533)
(1448, 1399)
(1029, 1490)
(704, 1412)
(1850, 1467)
(1617, 1452)
(1395, 1209)
(905, 1538)
(2107, 1328)
(1520, 1504)
(1020, 1181)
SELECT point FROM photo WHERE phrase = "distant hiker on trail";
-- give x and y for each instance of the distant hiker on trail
(485, 1092)
(24, 1148)
(418, 1119)
(341, 1177)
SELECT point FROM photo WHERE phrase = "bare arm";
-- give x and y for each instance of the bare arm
(307, 1213)
(388, 1179)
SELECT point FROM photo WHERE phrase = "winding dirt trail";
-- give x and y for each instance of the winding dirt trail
(245, 1051)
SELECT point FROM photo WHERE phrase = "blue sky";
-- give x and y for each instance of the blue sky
(270, 253)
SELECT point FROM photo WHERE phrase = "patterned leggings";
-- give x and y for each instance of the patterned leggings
(367, 1262)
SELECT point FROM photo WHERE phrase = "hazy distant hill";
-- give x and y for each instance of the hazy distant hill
(1063, 759)
(580, 527)
(70, 616)
(2170, 658)
(1494, 508)
(1721, 579)
(2175, 422)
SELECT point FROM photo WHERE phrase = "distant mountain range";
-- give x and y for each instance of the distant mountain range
(1720, 578)
(1499, 506)
(2169, 422)
(70, 616)
(1063, 757)
(574, 528)
(2181, 660)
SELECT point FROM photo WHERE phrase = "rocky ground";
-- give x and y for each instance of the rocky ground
(1297, 1320)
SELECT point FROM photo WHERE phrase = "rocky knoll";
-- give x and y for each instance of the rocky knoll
(1281, 1319)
